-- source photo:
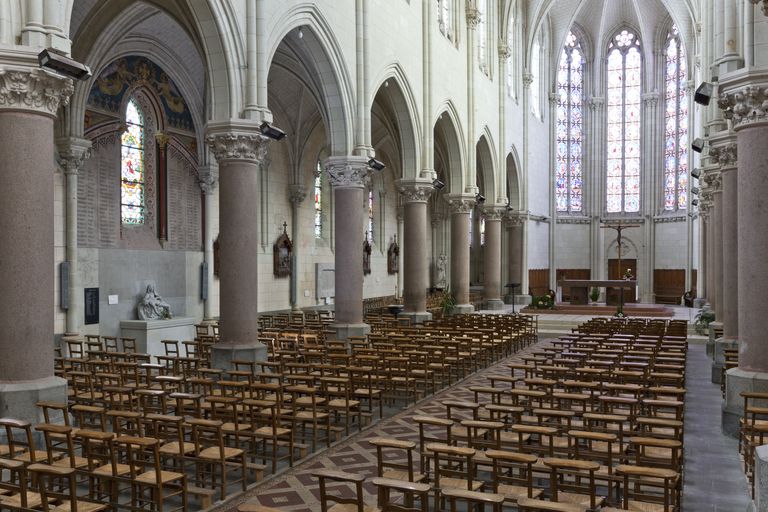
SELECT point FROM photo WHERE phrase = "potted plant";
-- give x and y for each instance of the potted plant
(447, 303)
(594, 294)
(703, 318)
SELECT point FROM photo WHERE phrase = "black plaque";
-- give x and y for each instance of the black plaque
(91, 306)
(204, 280)
(64, 285)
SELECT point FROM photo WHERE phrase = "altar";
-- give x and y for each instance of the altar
(149, 334)
(580, 287)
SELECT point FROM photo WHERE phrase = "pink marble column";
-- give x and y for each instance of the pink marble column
(29, 100)
(239, 149)
(415, 254)
(717, 244)
(349, 176)
(492, 257)
(460, 205)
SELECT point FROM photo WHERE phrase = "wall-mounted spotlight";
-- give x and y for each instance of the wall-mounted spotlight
(696, 173)
(697, 145)
(695, 202)
(376, 165)
(480, 198)
(703, 93)
(437, 184)
(695, 191)
(273, 132)
(52, 59)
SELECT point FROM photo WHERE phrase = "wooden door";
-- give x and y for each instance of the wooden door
(615, 273)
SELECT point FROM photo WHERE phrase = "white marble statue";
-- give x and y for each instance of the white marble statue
(440, 281)
(152, 306)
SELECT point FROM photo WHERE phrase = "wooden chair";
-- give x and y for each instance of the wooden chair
(640, 480)
(60, 478)
(410, 492)
(513, 475)
(21, 443)
(14, 491)
(473, 499)
(452, 468)
(210, 450)
(566, 482)
(432, 430)
(341, 503)
(340, 400)
(398, 469)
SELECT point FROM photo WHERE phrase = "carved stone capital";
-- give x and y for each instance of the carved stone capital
(473, 16)
(33, 90)
(237, 140)
(505, 51)
(437, 218)
(414, 191)
(72, 152)
(714, 180)
(724, 156)
(745, 106)
(514, 219)
(494, 212)
(209, 178)
(347, 171)
(650, 98)
(460, 203)
(553, 97)
(763, 5)
(162, 139)
(527, 80)
(298, 193)
(596, 103)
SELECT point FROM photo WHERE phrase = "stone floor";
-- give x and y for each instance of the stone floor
(713, 481)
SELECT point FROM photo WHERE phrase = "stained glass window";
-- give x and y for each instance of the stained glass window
(623, 109)
(481, 228)
(471, 225)
(318, 201)
(675, 124)
(370, 215)
(482, 35)
(132, 166)
(569, 126)
(444, 17)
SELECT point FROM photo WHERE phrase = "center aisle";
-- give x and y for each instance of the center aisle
(297, 491)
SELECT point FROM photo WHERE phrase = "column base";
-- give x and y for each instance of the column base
(345, 331)
(718, 359)
(18, 399)
(222, 354)
(463, 309)
(416, 317)
(494, 304)
(761, 479)
(711, 340)
(737, 381)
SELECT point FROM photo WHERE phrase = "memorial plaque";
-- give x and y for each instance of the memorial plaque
(91, 306)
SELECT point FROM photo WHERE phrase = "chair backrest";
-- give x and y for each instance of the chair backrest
(55, 483)
(400, 448)
(408, 490)
(207, 434)
(140, 454)
(19, 437)
(13, 479)
(452, 462)
(338, 497)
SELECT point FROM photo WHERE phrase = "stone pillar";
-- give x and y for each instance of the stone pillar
(515, 254)
(460, 205)
(209, 178)
(349, 176)
(717, 242)
(162, 140)
(29, 100)
(239, 149)
(438, 255)
(73, 152)
(416, 253)
(745, 105)
(492, 257)
(298, 194)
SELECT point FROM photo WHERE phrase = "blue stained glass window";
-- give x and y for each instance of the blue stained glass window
(675, 124)
(132, 166)
(623, 112)
(569, 126)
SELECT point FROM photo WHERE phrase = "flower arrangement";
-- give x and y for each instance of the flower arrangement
(628, 275)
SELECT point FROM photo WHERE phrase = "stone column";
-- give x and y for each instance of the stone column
(460, 205)
(29, 100)
(416, 253)
(438, 256)
(745, 105)
(717, 242)
(349, 177)
(514, 223)
(73, 152)
(239, 149)
(298, 194)
(492, 257)
(209, 178)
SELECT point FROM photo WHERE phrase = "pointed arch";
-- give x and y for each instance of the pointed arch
(513, 179)
(485, 166)
(448, 135)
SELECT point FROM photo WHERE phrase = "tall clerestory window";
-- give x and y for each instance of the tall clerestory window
(510, 78)
(132, 166)
(370, 214)
(482, 35)
(623, 109)
(445, 18)
(676, 124)
(318, 190)
(535, 72)
(569, 126)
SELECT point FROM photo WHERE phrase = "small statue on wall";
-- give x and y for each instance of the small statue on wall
(440, 280)
(282, 254)
(393, 257)
(152, 306)
(366, 255)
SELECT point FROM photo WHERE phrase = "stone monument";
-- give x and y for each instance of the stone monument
(152, 306)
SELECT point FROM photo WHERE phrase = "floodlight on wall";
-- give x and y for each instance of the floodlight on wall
(703, 93)
(437, 184)
(697, 145)
(695, 191)
(56, 61)
(376, 165)
(480, 198)
(695, 202)
(273, 132)
(696, 173)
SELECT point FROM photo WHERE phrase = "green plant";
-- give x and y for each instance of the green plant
(594, 294)
(542, 302)
(447, 303)
(703, 318)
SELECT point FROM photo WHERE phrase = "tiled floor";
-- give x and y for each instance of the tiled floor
(713, 481)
